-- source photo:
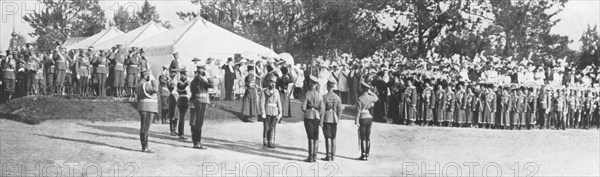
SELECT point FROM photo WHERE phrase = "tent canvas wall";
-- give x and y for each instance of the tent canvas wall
(101, 37)
(139, 34)
(197, 38)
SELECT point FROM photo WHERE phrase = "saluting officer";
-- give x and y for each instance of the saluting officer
(311, 106)
(532, 108)
(8, 76)
(461, 105)
(270, 105)
(101, 71)
(364, 119)
(411, 102)
(450, 105)
(440, 105)
(489, 107)
(559, 102)
(147, 106)
(200, 98)
(132, 70)
(470, 96)
(182, 101)
(330, 118)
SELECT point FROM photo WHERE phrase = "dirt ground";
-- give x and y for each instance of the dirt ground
(83, 147)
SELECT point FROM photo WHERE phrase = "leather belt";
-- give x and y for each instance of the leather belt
(9, 70)
(101, 65)
(135, 66)
(119, 64)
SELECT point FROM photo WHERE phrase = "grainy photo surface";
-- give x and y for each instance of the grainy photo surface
(299, 88)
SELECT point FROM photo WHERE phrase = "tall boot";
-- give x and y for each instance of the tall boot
(271, 135)
(173, 126)
(310, 151)
(332, 148)
(315, 150)
(367, 149)
(265, 144)
(327, 150)
(362, 150)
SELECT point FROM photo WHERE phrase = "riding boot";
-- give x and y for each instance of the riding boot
(332, 150)
(327, 150)
(367, 149)
(310, 151)
(265, 143)
(362, 150)
(315, 150)
(173, 127)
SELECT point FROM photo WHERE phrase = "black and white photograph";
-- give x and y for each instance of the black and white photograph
(214, 88)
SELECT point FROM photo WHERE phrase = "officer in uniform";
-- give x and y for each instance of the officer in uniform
(440, 105)
(543, 101)
(461, 105)
(330, 118)
(200, 98)
(147, 106)
(489, 107)
(118, 56)
(271, 108)
(60, 60)
(428, 104)
(311, 106)
(531, 109)
(100, 62)
(505, 108)
(165, 87)
(363, 119)
(182, 101)
(9, 66)
(559, 106)
(132, 70)
(82, 65)
(411, 102)
(49, 72)
(450, 105)
(469, 106)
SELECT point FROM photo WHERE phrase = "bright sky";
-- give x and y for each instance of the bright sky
(575, 17)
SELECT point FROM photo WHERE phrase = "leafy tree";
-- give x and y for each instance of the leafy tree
(60, 19)
(590, 47)
(125, 21)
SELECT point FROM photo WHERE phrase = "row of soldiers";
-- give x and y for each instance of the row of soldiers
(80, 71)
(421, 100)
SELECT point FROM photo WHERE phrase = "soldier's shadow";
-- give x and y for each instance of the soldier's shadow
(87, 142)
(246, 147)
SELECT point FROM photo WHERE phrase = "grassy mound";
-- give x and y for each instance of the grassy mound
(36, 109)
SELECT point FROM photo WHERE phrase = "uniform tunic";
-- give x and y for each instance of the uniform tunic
(200, 98)
(469, 107)
(461, 106)
(428, 104)
(311, 106)
(505, 108)
(331, 115)
(132, 70)
(411, 103)
(531, 109)
(450, 106)
(147, 107)
(489, 107)
(8, 74)
(365, 102)
(270, 104)
(440, 106)
(283, 84)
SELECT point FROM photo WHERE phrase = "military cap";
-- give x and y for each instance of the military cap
(331, 81)
(364, 84)
(196, 59)
(314, 78)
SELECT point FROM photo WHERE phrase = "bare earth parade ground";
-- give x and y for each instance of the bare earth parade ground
(112, 148)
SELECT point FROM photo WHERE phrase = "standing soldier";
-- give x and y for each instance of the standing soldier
(450, 105)
(330, 119)
(531, 111)
(461, 105)
(440, 106)
(477, 104)
(182, 101)
(515, 106)
(401, 97)
(271, 108)
(49, 72)
(100, 62)
(543, 101)
(489, 107)
(428, 104)
(40, 80)
(31, 66)
(283, 83)
(61, 67)
(164, 91)
(200, 98)
(522, 107)
(587, 109)
(505, 108)
(82, 64)
(132, 71)
(9, 66)
(579, 109)
(411, 102)
(118, 56)
(147, 106)
(469, 106)
(559, 102)
(311, 106)
(69, 77)
(572, 107)
(363, 119)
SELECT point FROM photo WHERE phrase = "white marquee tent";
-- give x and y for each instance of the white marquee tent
(139, 34)
(197, 38)
(101, 37)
